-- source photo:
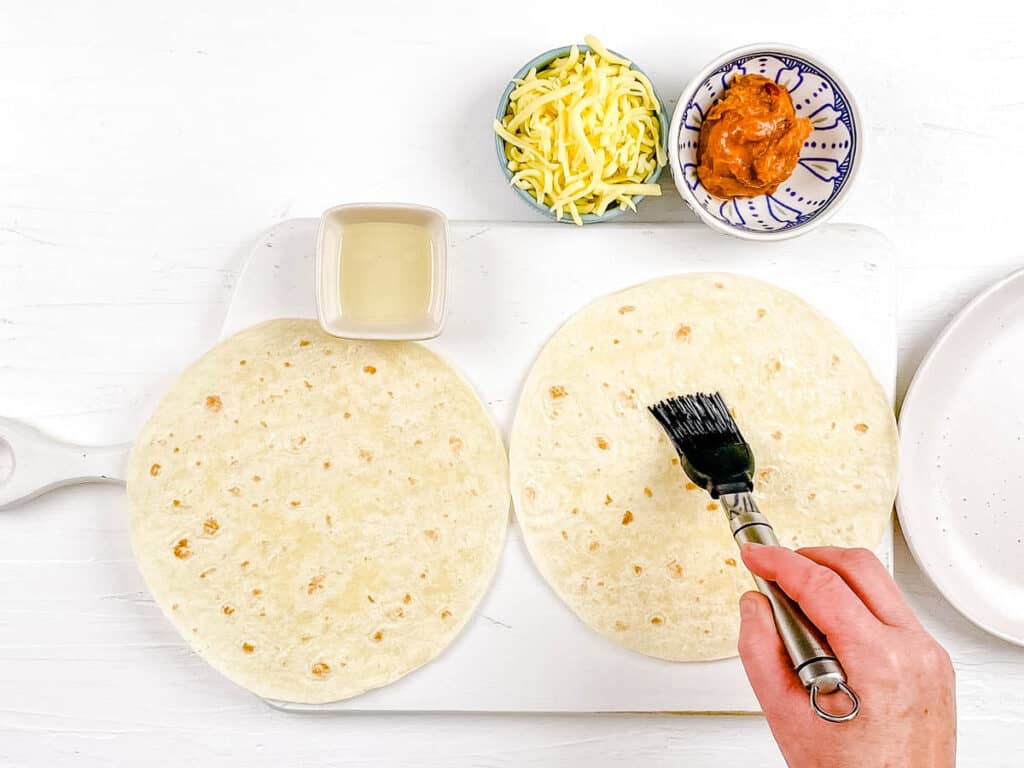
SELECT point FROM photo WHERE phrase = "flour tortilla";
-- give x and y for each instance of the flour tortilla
(638, 554)
(318, 517)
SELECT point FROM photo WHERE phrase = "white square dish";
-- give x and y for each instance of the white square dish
(328, 271)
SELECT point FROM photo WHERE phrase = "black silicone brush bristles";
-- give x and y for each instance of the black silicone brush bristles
(712, 451)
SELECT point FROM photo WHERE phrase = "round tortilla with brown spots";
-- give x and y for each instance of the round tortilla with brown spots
(316, 516)
(635, 550)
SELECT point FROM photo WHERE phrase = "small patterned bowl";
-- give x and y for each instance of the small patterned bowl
(828, 161)
(540, 62)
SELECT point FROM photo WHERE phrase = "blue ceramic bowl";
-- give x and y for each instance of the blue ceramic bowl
(828, 161)
(540, 62)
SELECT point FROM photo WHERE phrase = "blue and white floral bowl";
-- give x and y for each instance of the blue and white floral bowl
(828, 161)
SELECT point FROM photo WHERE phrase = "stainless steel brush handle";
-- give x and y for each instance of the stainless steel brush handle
(813, 661)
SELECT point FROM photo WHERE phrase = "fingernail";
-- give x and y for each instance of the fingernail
(752, 545)
(747, 606)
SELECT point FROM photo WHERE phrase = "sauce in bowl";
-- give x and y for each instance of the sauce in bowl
(750, 139)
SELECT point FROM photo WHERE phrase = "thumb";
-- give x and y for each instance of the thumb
(764, 657)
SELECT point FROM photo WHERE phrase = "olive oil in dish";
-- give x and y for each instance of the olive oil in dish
(386, 272)
(382, 271)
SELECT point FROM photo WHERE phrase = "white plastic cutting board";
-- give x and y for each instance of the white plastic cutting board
(512, 285)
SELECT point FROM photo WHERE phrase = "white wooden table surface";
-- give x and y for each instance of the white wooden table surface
(144, 147)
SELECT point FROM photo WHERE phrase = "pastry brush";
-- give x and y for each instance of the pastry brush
(715, 456)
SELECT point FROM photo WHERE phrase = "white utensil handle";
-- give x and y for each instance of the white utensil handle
(41, 463)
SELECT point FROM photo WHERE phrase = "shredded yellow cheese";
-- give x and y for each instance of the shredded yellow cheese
(583, 133)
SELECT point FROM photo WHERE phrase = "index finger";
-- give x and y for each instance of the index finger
(820, 592)
(869, 579)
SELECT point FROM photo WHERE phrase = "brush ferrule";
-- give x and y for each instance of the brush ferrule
(734, 486)
(746, 521)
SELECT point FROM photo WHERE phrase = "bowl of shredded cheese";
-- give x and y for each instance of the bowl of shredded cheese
(581, 134)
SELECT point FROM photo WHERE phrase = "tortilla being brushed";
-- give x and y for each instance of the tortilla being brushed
(635, 550)
(318, 517)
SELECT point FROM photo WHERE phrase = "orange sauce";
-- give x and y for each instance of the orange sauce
(750, 139)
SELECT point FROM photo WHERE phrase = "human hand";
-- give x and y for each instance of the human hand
(903, 677)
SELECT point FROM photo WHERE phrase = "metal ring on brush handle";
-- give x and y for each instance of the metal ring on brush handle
(852, 713)
(817, 667)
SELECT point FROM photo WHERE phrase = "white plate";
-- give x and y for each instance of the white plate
(962, 461)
